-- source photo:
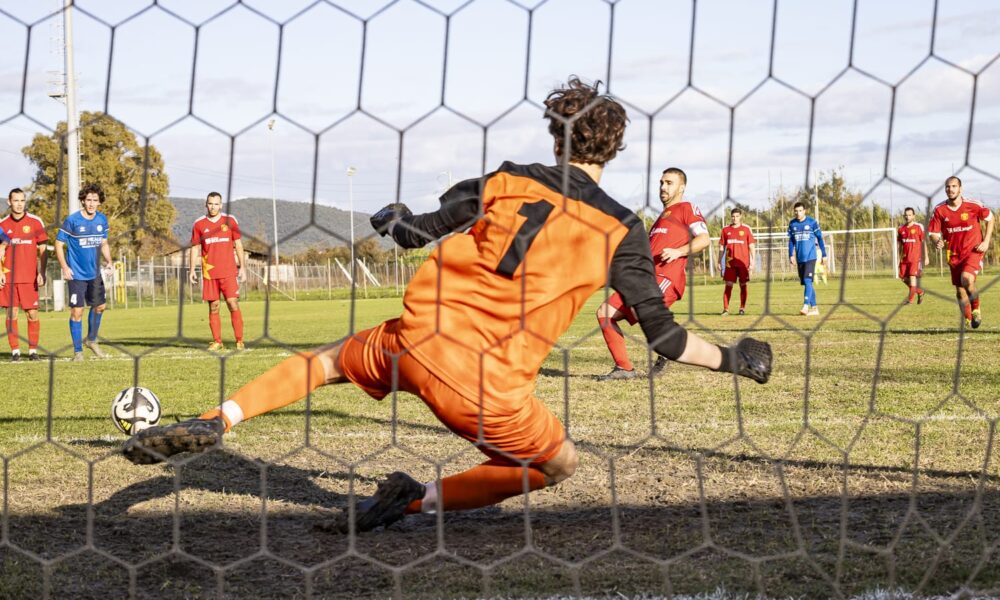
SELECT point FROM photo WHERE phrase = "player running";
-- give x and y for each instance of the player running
(910, 242)
(737, 257)
(678, 232)
(223, 267)
(958, 221)
(481, 315)
(82, 234)
(803, 236)
(24, 267)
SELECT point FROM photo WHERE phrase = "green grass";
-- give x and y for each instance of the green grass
(854, 479)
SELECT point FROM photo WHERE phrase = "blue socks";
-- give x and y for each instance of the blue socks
(93, 324)
(810, 296)
(76, 330)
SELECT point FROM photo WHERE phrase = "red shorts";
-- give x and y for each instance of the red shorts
(227, 286)
(970, 263)
(736, 271)
(909, 269)
(673, 290)
(21, 295)
(528, 431)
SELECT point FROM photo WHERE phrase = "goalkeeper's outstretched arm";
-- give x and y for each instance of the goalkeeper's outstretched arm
(459, 209)
(632, 276)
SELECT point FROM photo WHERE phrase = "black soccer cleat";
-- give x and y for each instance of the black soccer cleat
(658, 367)
(152, 445)
(387, 506)
(754, 359)
(15, 357)
(617, 374)
(33, 356)
(977, 319)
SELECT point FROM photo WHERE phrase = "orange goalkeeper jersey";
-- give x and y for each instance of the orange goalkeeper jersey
(489, 304)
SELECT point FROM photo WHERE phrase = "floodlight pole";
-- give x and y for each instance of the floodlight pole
(350, 195)
(72, 119)
(274, 201)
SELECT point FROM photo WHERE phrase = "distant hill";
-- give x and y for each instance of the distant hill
(254, 215)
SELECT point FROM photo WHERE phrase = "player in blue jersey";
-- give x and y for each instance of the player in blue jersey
(803, 236)
(82, 234)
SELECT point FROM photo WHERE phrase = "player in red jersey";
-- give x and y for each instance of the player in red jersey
(217, 236)
(738, 254)
(958, 221)
(678, 232)
(24, 267)
(912, 254)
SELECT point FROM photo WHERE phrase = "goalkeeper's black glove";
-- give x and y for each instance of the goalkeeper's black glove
(383, 218)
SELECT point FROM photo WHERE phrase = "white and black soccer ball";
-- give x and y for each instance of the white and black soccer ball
(135, 409)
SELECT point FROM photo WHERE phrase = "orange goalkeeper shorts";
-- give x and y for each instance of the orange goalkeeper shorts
(527, 431)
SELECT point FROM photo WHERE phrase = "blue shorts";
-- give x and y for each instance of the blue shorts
(806, 271)
(90, 292)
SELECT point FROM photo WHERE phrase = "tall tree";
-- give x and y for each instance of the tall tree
(128, 173)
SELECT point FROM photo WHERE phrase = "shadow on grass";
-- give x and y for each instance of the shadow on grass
(239, 515)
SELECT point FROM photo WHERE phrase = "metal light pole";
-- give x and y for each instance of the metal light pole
(350, 194)
(274, 201)
(72, 119)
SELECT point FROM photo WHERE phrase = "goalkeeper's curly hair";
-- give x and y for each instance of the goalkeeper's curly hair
(598, 122)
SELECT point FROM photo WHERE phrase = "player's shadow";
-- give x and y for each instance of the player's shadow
(224, 472)
(803, 537)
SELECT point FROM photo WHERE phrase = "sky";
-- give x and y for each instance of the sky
(415, 95)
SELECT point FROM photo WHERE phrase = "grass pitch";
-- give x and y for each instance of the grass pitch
(867, 462)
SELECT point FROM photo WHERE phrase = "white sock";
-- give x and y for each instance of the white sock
(233, 412)
(429, 502)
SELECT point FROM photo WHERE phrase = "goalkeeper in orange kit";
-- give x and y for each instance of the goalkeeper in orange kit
(482, 314)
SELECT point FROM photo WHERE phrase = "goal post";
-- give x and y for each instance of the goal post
(868, 252)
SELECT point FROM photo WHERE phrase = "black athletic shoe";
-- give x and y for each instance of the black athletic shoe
(16, 357)
(977, 319)
(920, 298)
(658, 367)
(33, 356)
(618, 373)
(754, 359)
(387, 506)
(193, 435)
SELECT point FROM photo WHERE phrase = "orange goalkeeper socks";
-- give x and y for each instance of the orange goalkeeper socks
(615, 340)
(484, 485)
(288, 381)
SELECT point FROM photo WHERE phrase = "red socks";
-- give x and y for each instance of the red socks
(215, 325)
(727, 293)
(485, 485)
(743, 296)
(913, 292)
(34, 327)
(236, 318)
(615, 340)
(975, 303)
(12, 336)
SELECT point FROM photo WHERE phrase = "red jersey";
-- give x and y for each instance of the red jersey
(676, 226)
(22, 253)
(960, 227)
(735, 241)
(218, 240)
(912, 238)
